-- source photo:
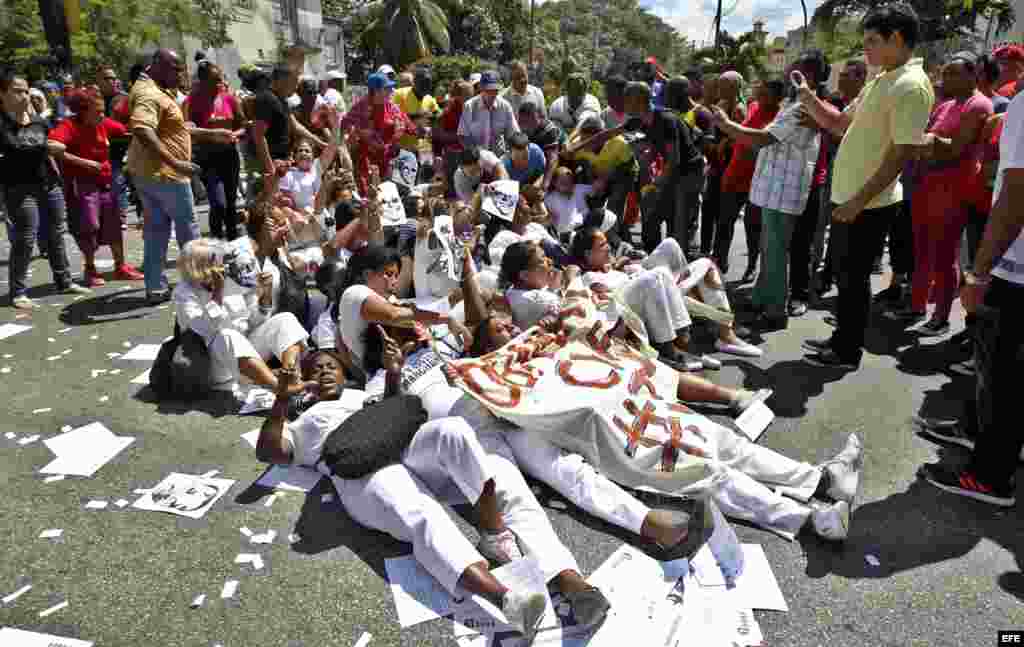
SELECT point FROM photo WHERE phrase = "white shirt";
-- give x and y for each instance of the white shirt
(485, 128)
(530, 306)
(239, 310)
(567, 212)
(785, 170)
(333, 99)
(325, 332)
(307, 434)
(1011, 156)
(466, 186)
(569, 119)
(303, 185)
(533, 94)
(350, 320)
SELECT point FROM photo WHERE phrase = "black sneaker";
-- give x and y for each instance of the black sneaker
(829, 359)
(891, 294)
(818, 345)
(156, 298)
(947, 431)
(905, 316)
(797, 308)
(964, 483)
(933, 328)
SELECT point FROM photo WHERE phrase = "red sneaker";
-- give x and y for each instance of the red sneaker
(93, 279)
(126, 272)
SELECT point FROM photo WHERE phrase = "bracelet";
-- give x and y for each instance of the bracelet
(982, 280)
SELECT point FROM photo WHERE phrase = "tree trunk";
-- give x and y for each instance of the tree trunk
(718, 26)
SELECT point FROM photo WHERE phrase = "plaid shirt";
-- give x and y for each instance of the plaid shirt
(785, 170)
(395, 124)
(488, 129)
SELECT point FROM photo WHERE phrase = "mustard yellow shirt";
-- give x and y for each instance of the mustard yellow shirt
(410, 104)
(615, 152)
(891, 110)
(153, 107)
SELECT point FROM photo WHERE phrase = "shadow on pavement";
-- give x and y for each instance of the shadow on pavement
(218, 405)
(116, 306)
(803, 381)
(921, 526)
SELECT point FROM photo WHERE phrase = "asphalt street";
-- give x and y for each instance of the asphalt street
(949, 570)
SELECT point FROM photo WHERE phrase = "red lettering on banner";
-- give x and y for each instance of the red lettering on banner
(640, 380)
(564, 369)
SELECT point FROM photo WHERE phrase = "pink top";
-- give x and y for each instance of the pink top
(945, 122)
(207, 111)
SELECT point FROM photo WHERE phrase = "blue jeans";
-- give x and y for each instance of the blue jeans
(27, 207)
(119, 183)
(164, 201)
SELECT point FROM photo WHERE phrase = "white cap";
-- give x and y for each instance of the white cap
(475, 77)
(334, 75)
(385, 69)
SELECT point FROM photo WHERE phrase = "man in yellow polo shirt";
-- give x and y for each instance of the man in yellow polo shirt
(417, 102)
(610, 156)
(883, 128)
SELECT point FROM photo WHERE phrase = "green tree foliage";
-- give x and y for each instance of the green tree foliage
(408, 30)
(746, 55)
(940, 19)
(112, 32)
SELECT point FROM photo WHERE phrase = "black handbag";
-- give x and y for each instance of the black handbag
(373, 437)
(182, 369)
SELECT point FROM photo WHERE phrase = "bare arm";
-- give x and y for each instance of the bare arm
(953, 148)
(259, 133)
(271, 445)
(147, 136)
(75, 160)
(376, 309)
(752, 137)
(55, 148)
(301, 131)
(826, 115)
(476, 305)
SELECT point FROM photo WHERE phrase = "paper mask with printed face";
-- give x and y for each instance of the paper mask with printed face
(404, 168)
(392, 212)
(500, 199)
(240, 261)
(438, 260)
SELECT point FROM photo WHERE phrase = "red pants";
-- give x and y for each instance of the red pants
(939, 214)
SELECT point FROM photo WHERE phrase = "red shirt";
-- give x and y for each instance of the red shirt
(388, 124)
(88, 142)
(1009, 90)
(220, 109)
(740, 172)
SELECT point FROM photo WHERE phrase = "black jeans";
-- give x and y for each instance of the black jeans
(220, 168)
(670, 202)
(731, 203)
(801, 247)
(709, 213)
(999, 332)
(901, 242)
(25, 206)
(854, 246)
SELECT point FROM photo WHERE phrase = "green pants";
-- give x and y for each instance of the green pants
(772, 287)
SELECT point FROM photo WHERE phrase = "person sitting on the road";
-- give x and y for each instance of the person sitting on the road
(752, 470)
(401, 499)
(239, 326)
(477, 166)
(569, 109)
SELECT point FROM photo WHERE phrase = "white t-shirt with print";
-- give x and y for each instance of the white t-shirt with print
(530, 306)
(1011, 156)
(567, 212)
(465, 186)
(307, 434)
(351, 324)
(302, 185)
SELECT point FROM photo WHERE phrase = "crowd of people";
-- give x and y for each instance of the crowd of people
(336, 229)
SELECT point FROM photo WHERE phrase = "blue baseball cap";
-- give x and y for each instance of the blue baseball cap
(377, 81)
(490, 81)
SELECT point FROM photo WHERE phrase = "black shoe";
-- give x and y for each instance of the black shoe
(767, 323)
(749, 275)
(964, 483)
(947, 431)
(905, 316)
(831, 320)
(818, 345)
(891, 294)
(963, 338)
(156, 298)
(797, 308)
(829, 359)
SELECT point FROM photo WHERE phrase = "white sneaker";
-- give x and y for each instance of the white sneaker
(844, 470)
(22, 302)
(832, 522)
(747, 399)
(524, 610)
(499, 548)
(739, 348)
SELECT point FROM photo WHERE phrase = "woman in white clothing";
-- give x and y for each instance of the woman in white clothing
(655, 289)
(240, 326)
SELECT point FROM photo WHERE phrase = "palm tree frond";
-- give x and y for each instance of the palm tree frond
(434, 22)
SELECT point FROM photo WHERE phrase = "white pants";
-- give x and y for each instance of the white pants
(401, 500)
(701, 273)
(270, 339)
(654, 297)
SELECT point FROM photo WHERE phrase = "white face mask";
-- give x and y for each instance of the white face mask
(501, 198)
(392, 210)
(439, 259)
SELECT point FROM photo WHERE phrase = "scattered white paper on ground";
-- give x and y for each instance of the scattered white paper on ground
(364, 640)
(418, 596)
(113, 355)
(6, 369)
(93, 337)
(84, 450)
(115, 371)
(229, 590)
(245, 531)
(293, 478)
(143, 378)
(10, 637)
(53, 358)
(184, 495)
(257, 399)
(52, 533)
(127, 344)
(209, 474)
(871, 559)
(7, 599)
(251, 437)
(9, 330)
(66, 351)
(630, 578)
(28, 440)
(104, 398)
(43, 410)
(96, 504)
(96, 372)
(481, 616)
(54, 609)
(122, 503)
(142, 490)
(10, 435)
(8, 356)
(265, 538)
(141, 353)
(705, 568)
(51, 340)
(65, 429)
(245, 558)
(198, 601)
(54, 478)
(270, 500)
(755, 420)
(756, 587)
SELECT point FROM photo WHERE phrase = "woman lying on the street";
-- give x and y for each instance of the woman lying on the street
(755, 474)
(445, 455)
(655, 289)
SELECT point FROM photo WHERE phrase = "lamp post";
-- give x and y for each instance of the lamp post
(532, 32)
